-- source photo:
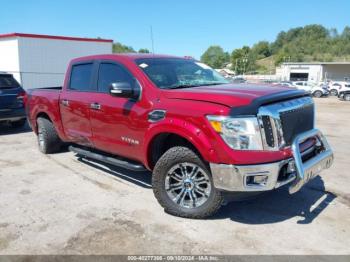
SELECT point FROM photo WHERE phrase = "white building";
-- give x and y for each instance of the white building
(314, 72)
(41, 60)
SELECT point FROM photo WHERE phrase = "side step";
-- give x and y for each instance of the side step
(107, 159)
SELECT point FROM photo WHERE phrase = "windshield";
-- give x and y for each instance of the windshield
(7, 82)
(171, 73)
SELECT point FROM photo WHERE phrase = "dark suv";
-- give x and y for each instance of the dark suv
(11, 101)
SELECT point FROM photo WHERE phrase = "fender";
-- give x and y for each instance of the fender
(194, 134)
(56, 120)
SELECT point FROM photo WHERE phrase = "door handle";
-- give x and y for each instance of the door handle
(95, 106)
(65, 102)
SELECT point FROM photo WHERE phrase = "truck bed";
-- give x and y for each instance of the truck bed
(44, 100)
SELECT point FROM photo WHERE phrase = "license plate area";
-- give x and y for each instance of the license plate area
(312, 167)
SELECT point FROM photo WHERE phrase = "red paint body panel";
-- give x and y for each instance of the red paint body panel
(186, 111)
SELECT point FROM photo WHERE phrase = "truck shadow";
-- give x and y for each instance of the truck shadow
(267, 208)
(6, 129)
(279, 205)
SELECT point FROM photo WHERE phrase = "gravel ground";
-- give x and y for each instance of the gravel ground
(60, 204)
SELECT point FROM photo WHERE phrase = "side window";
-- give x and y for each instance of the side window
(112, 73)
(80, 79)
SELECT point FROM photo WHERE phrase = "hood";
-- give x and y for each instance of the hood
(234, 94)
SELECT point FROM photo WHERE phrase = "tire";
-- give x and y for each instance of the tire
(200, 198)
(19, 123)
(317, 94)
(334, 92)
(347, 97)
(48, 140)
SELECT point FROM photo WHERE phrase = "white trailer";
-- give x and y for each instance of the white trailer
(41, 60)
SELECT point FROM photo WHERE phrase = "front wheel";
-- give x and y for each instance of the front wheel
(334, 92)
(347, 97)
(317, 94)
(183, 185)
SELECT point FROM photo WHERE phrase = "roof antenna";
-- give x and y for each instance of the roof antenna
(152, 39)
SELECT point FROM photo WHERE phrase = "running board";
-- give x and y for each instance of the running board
(107, 159)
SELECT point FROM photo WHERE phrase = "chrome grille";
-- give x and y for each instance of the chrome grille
(281, 122)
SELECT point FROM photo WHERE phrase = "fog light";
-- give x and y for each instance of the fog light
(257, 180)
(291, 167)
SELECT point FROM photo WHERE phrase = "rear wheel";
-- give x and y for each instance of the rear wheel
(347, 97)
(48, 140)
(334, 92)
(19, 123)
(183, 185)
(317, 93)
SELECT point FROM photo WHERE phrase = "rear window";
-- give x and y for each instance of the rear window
(8, 82)
(80, 79)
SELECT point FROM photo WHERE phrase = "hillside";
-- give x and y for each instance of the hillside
(300, 44)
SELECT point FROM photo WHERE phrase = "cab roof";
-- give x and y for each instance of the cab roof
(126, 56)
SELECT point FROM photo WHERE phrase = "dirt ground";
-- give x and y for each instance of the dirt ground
(59, 204)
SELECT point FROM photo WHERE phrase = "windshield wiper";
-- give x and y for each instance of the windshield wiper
(182, 86)
(189, 86)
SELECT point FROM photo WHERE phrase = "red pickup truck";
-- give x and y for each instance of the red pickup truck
(200, 135)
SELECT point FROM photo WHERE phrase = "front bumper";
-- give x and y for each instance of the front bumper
(12, 114)
(264, 177)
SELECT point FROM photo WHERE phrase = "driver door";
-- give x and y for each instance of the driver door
(115, 120)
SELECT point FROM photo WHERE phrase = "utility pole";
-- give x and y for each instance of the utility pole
(245, 60)
(236, 66)
(152, 40)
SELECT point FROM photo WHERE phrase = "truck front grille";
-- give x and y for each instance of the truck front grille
(296, 121)
(282, 122)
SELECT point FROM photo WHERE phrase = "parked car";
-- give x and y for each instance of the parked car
(313, 89)
(11, 101)
(202, 137)
(238, 80)
(335, 87)
(344, 93)
(286, 83)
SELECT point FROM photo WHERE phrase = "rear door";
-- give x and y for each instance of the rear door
(9, 91)
(75, 103)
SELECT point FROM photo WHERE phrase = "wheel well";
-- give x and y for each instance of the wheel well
(163, 142)
(41, 115)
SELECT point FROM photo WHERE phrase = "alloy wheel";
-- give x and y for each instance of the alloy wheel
(188, 185)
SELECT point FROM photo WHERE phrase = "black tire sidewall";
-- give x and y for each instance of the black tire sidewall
(319, 94)
(52, 142)
(159, 176)
(334, 92)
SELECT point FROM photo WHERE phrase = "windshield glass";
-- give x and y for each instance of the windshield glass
(171, 73)
(7, 82)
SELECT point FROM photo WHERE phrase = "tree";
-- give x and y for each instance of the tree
(346, 33)
(262, 49)
(215, 57)
(243, 60)
(120, 48)
(144, 50)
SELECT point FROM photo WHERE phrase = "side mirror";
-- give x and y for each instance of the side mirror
(121, 89)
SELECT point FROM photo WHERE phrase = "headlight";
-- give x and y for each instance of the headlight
(238, 133)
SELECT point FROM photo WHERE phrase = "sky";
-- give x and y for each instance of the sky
(180, 27)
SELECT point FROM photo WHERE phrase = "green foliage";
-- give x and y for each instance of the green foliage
(262, 49)
(144, 50)
(215, 57)
(300, 44)
(120, 48)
